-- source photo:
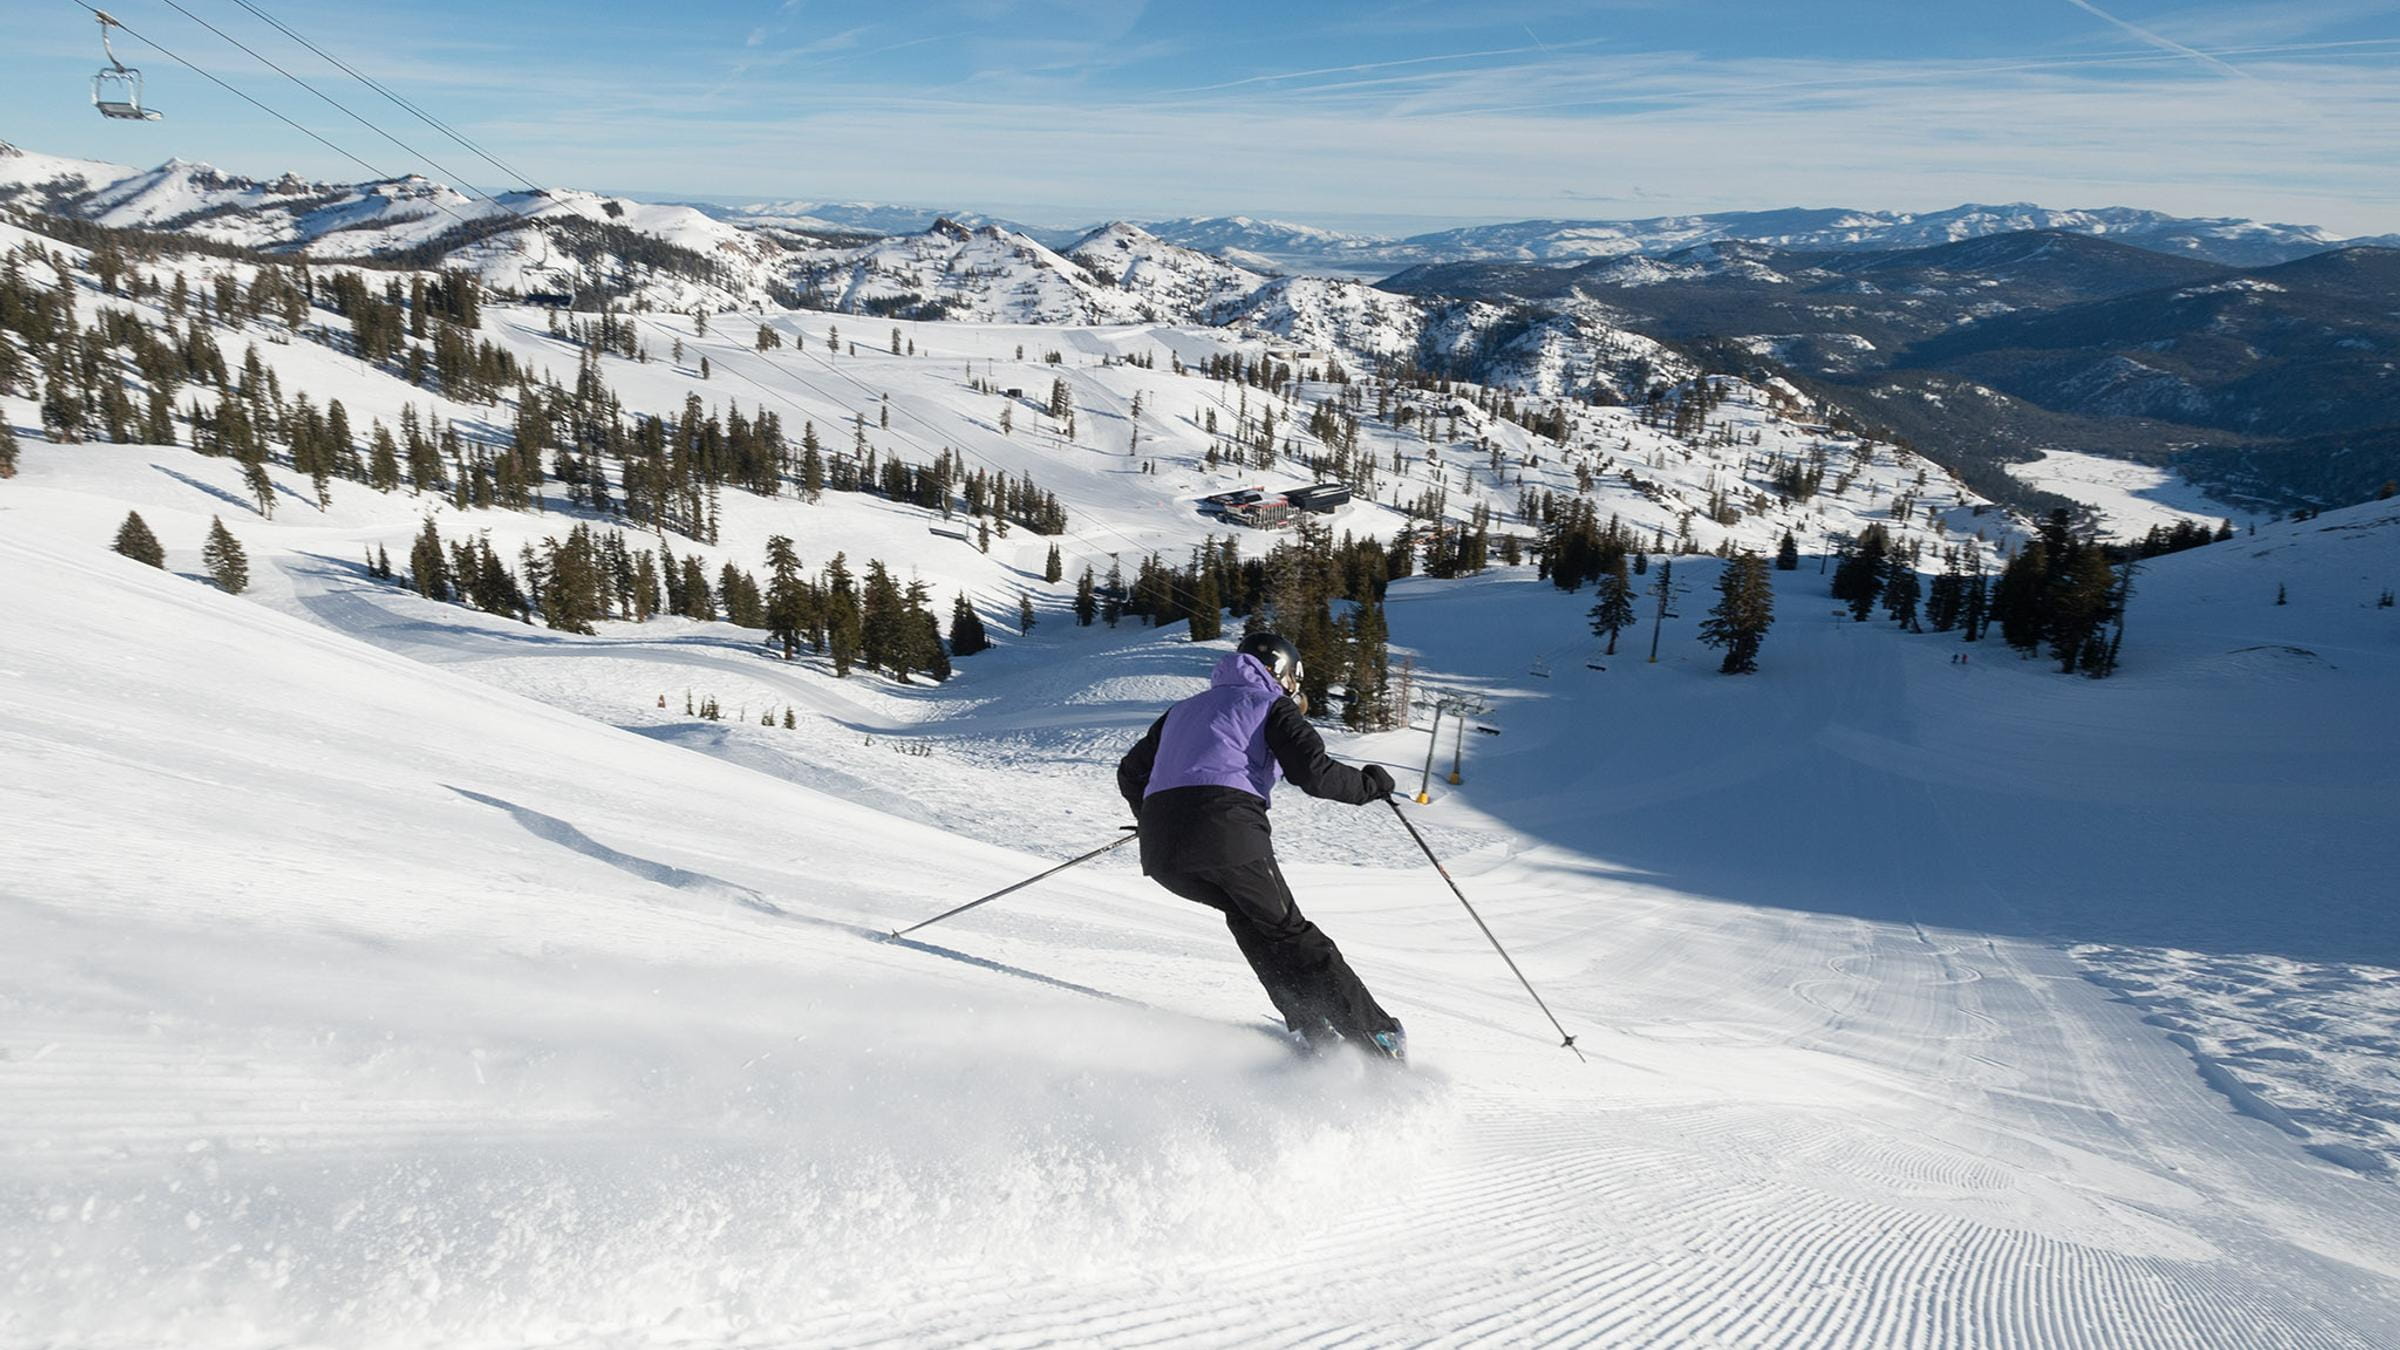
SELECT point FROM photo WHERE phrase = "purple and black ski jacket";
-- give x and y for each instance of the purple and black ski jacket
(1199, 781)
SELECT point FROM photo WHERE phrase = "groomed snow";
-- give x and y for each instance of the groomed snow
(361, 999)
(377, 973)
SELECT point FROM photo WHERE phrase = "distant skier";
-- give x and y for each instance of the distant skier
(1198, 783)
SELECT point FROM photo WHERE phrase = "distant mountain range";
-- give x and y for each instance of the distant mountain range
(2279, 383)
(2264, 358)
(2241, 243)
(1280, 245)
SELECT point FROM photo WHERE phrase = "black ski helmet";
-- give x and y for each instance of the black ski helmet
(1278, 655)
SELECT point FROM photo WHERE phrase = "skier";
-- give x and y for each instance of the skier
(1198, 785)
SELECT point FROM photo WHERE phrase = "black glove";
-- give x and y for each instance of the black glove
(1379, 780)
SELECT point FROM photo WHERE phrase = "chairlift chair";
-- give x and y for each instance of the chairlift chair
(117, 87)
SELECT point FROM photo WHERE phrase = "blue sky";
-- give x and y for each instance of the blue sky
(1399, 115)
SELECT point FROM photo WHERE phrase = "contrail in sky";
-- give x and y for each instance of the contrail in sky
(2160, 41)
(1378, 65)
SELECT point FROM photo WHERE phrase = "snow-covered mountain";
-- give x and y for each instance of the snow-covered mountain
(1122, 273)
(814, 217)
(527, 240)
(180, 195)
(984, 273)
(1279, 244)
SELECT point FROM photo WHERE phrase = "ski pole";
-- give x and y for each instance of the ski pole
(1411, 827)
(1128, 838)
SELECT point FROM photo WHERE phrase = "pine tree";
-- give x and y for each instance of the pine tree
(812, 463)
(645, 586)
(1024, 611)
(934, 661)
(429, 564)
(1614, 612)
(222, 555)
(1087, 605)
(2016, 602)
(1745, 609)
(786, 611)
(135, 541)
(1666, 590)
(262, 487)
(698, 601)
(1859, 578)
(967, 635)
(8, 449)
(883, 637)
(1112, 594)
(570, 583)
(1787, 553)
(1052, 567)
(2082, 600)
(383, 460)
(1901, 589)
(1369, 675)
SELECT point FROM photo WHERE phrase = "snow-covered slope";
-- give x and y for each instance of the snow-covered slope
(1175, 284)
(952, 271)
(359, 998)
(30, 178)
(378, 971)
(1281, 243)
(813, 217)
(526, 240)
(1118, 273)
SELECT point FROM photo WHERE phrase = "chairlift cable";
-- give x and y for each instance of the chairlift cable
(331, 102)
(830, 367)
(634, 316)
(196, 70)
(524, 179)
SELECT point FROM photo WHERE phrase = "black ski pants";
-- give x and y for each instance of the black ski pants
(1304, 973)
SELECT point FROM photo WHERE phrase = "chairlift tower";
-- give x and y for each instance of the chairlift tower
(1459, 706)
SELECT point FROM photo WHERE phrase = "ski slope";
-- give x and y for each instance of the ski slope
(375, 972)
(377, 975)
